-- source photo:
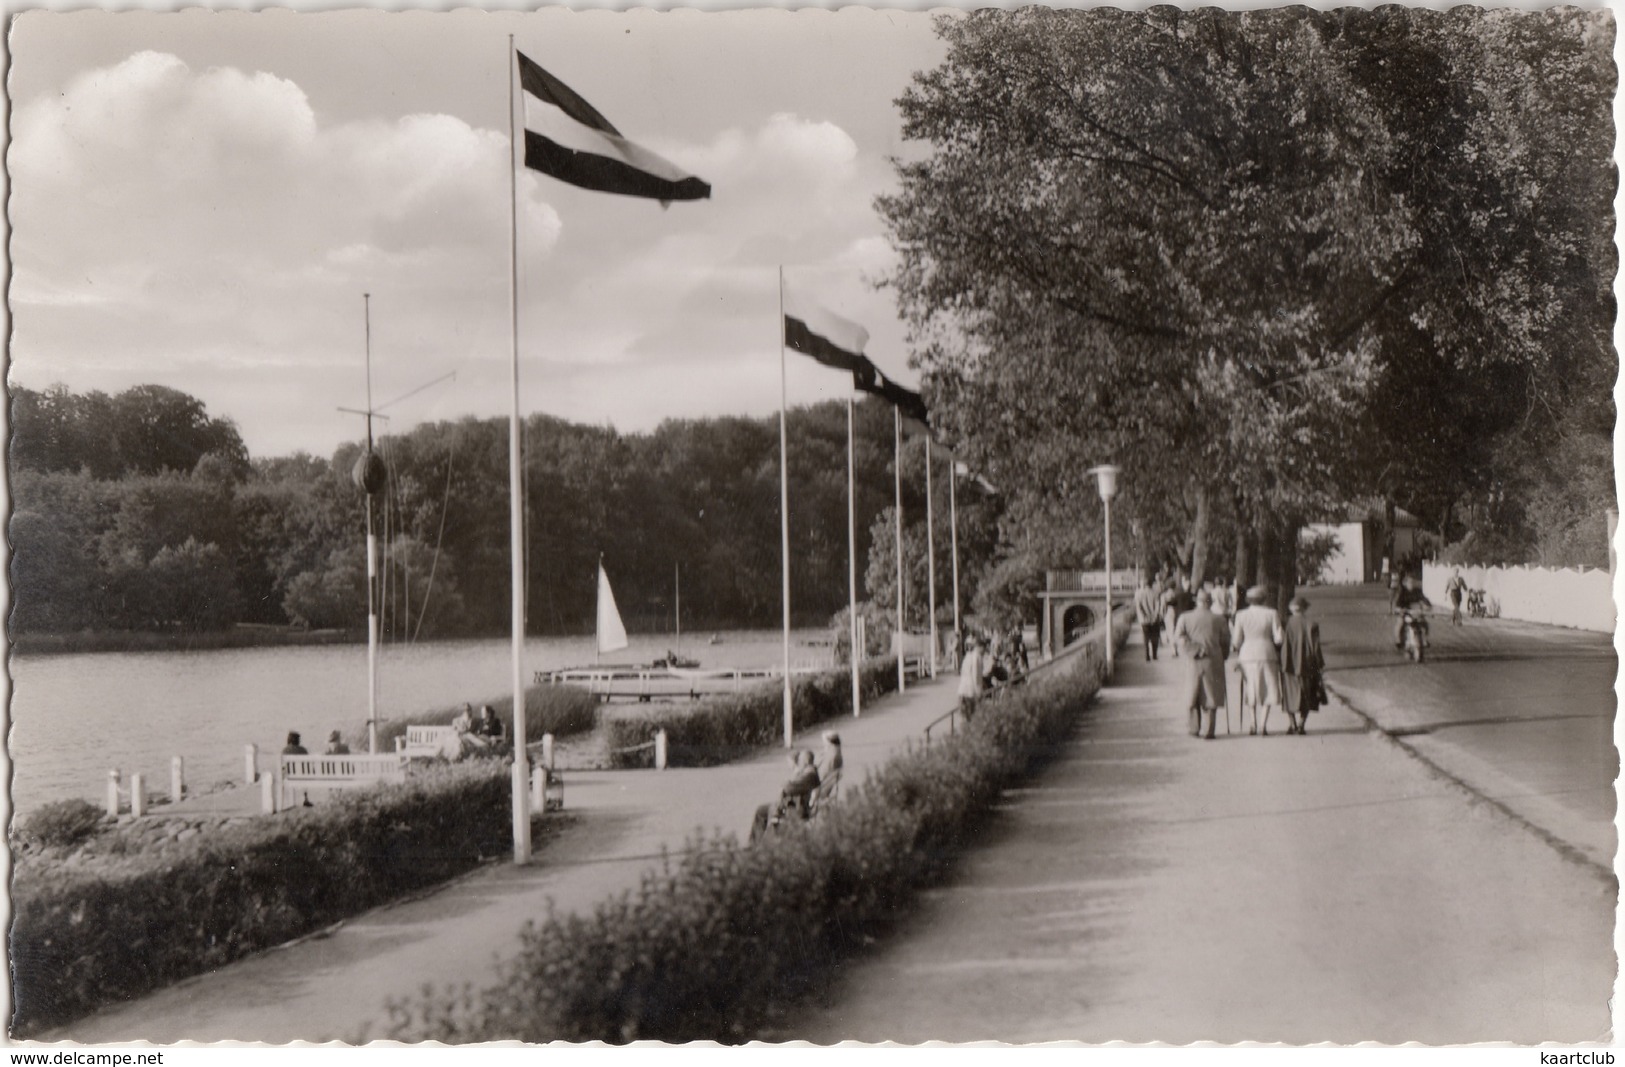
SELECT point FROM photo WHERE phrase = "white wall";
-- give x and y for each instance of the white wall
(1581, 599)
(1347, 564)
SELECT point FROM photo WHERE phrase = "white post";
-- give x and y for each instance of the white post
(930, 557)
(1109, 641)
(538, 788)
(516, 517)
(953, 536)
(852, 556)
(784, 517)
(251, 764)
(113, 779)
(897, 470)
(177, 779)
(372, 633)
(138, 795)
(547, 751)
(660, 750)
(268, 793)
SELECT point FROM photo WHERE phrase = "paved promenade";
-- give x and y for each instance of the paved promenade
(1153, 887)
(1521, 713)
(336, 987)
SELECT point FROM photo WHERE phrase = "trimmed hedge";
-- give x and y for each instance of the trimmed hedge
(725, 727)
(711, 949)
(549, 709)
(88, 934)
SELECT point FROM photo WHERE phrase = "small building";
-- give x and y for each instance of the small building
(1074, 601)
(1362, 544)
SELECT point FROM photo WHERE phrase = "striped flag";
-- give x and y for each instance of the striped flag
(818, 332)
(870, 379)
(567, 138)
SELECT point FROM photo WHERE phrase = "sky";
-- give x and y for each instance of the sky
(200, 199)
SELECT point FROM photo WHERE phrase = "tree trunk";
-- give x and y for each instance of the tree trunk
(1199, 539)
(1268, 557)
(1287, 571)
(1246, 550)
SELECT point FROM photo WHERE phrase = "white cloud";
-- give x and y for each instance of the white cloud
(208, 230)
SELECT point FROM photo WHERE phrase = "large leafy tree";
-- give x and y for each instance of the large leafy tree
(1211, 245)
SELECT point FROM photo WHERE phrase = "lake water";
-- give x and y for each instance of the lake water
(75, 717)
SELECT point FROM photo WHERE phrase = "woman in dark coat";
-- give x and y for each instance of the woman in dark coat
(1301, 665)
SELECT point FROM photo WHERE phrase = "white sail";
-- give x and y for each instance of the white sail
(611, 631)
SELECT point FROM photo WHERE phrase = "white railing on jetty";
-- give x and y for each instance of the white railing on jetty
(336, 772)
(647, 683)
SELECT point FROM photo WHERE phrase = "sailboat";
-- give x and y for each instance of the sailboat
(611, 631)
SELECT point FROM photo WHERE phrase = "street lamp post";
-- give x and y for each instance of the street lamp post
(1106, 474)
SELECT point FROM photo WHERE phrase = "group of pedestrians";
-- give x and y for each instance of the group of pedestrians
(1161, 602)
(1279, 663)
(987, 662)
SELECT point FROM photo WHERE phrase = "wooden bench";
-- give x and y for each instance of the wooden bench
(427, 742)
(302, 773)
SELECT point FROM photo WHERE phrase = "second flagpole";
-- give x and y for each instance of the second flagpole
(516, 517)
(784, 515)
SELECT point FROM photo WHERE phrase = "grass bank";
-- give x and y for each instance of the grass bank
(94, 930)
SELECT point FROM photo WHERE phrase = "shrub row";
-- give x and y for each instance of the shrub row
(85, 935)
(727, 726)
(710, 948)
(549, 709)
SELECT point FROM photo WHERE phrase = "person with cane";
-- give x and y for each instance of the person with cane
(1206, 642)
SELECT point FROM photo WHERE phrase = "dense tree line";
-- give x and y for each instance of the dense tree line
(1273, 263)
(140, 512)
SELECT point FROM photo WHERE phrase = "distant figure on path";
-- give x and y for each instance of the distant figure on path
(973, 674)
(1148, 614)
(1224, 598)
(1455, 589)
(1301, 665)
(1018, 650)
(1206, 641)
(829, 766)
(1258, 632)
(336, 745)
(1171, 610)
(293, 747)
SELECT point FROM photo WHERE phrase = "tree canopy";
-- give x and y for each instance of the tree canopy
(1270, 262)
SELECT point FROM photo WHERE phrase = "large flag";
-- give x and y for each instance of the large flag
(567, 138)
(820, 333)
(869, 378)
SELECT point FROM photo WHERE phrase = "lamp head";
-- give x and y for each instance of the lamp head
(1106, 474)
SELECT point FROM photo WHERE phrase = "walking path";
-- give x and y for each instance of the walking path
(336, 987)
(1149, 886)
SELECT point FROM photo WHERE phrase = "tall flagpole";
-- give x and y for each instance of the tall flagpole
(784, 515)
(372, 560)
(897, 469)
(516, 516)
(852, 555)
(930, 557)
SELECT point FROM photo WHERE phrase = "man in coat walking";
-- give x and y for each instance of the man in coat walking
(1205, 638)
